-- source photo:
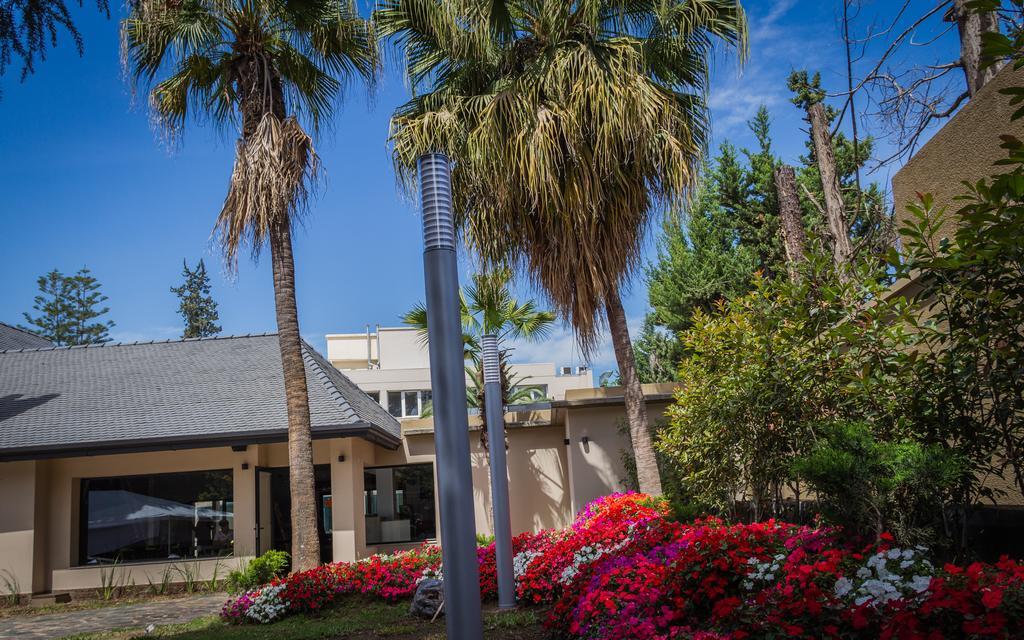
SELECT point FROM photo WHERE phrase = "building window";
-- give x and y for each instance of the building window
(530, 393)
(399, 504)
(408, 404)
(171, 516)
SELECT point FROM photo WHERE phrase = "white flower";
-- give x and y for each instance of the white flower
(894, 554)
(920, 584)
(863, 573)
(843, 586)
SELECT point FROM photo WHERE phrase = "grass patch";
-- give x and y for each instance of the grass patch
(514, 619)
(347, 619)
(354, 618)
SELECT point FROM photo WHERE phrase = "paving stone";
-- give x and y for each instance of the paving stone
(133, 616)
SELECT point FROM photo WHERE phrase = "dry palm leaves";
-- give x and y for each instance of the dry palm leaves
(274, 171)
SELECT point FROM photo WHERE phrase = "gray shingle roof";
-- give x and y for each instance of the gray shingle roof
(15, 338)
(158, 395)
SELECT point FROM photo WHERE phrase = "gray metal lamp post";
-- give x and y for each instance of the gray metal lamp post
(495, 410)
(451, 420)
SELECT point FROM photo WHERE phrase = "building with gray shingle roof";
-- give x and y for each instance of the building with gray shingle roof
(151, 396)
(12, 337)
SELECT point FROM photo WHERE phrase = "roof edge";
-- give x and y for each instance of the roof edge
(112, 447)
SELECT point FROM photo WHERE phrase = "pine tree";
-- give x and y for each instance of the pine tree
(85, 296)
(701, 262)
(54, 307)
(67, 306)
(197, 307)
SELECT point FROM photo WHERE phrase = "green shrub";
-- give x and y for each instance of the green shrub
(870, 487)
(258, 571)
(483, 539)
(763, 370)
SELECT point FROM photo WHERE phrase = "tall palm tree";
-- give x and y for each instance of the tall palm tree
(570, 123)
(248, 64)
(488, 307)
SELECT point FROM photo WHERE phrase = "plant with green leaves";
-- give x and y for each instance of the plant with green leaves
(570, 125)
(12, 587)
(488, 307)
(973, 291)
(69, 309)
(258, 571)
(195, 304)
(765, 369)
(870, 486)
(258, 66)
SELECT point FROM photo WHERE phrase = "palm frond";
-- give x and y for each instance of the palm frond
(571, 127)
(274, 171)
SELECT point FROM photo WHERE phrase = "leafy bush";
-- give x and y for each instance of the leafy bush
(259, 571)
(869, 487)
(766, 369)
(484, 539)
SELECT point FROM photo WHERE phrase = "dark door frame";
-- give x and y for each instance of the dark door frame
(326, 539)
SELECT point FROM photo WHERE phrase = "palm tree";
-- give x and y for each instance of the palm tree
(487, 306)
(249, 64)
(570, 122)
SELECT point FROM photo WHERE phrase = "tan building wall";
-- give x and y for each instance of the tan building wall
(965, 149)
(549, 482)
(595, 428)
(396, 359)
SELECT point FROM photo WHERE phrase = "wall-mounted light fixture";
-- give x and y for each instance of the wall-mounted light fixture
(585, 440)
(341, 458)
(245, 465)
(567, 442)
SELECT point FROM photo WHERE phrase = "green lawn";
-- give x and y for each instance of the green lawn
(355, 619)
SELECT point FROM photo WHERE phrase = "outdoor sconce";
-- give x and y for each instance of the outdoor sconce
(341, 458)
(585, 440)
(245, 465)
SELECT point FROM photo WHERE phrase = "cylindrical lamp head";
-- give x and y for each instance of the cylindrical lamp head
(492, 364)
(436, 199)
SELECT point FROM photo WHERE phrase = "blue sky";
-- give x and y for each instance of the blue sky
(87, 182)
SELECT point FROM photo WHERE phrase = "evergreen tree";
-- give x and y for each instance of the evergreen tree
(701, 261)
(53, 305)
(196, 306)
(732, 229)
(68, 308)
(85, 298)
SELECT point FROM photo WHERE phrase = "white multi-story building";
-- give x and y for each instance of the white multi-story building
(393, 367)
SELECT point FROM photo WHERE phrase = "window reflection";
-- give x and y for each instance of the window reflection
(399, 504)
(169, 516)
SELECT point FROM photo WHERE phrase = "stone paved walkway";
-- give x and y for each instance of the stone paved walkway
(132, 616)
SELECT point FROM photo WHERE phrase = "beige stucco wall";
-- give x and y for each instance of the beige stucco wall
(548, 482)
(964, 149)
(538, 476)
(17, 524)
(596, 466)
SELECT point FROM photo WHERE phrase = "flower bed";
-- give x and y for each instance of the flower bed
(624, 571)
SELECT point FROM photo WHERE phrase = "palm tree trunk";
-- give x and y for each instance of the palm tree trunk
(256, 102)
(305, 539)
(636, 407)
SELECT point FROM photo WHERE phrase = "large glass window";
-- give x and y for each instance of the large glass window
(408, 404)
(399, 504)
(168, 516)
